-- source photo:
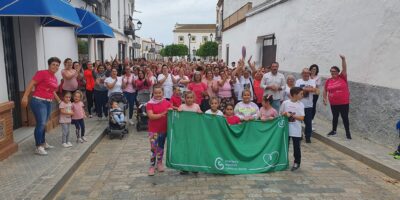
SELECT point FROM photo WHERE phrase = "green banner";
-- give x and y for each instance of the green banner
(206, 143)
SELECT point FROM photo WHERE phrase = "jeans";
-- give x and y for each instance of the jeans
(119, 118)
(101, 99)
(41, 110)
(308, 122)
(80, 127)
(131, 97)
(315, 100)
(343, 110)
(296, 149)
(89, 99)
(65, 132)
(276, 104)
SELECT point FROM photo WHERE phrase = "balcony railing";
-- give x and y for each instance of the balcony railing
(129, 27)
(237, 17)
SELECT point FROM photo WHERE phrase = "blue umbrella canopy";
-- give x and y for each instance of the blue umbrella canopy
(52, 12)
(92, 25)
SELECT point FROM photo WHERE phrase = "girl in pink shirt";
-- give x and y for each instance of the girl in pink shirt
(267, 112)
(189, 104)
(78, 116)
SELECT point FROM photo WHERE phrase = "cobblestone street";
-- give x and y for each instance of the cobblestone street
(117, 169)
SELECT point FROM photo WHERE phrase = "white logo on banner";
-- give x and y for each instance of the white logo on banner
(281, 123)
(219, 163)
(271, 159)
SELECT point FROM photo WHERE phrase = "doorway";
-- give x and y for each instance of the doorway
(269, 50)
(11, 69)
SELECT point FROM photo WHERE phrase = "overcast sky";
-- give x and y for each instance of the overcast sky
(160, 16)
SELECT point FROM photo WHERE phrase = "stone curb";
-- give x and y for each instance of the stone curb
(393, 173)
(65, 178)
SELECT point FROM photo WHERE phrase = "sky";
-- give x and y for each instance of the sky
(160, 16)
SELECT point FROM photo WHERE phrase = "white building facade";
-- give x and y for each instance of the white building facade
(199, 34)
(298, 33)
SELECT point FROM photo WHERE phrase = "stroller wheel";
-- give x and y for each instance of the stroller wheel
(121, 136)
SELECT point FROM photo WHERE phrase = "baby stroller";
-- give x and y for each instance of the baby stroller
(142, 98)
(115, 129)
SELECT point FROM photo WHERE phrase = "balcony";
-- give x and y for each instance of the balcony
(237, 17)
(137, 45)
(129, 27)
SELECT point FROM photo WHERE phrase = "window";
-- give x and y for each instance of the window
(121, 50)
(193, 39)
(100, 50)
(181, 39)
(131, 53)
(205, 38)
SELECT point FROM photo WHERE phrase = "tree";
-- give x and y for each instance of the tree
(174, 50)
(208, 49)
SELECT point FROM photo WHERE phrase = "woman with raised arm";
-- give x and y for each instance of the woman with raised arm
(337, 92)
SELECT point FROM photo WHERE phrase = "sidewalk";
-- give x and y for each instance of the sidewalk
(368, 152)
(25, 175)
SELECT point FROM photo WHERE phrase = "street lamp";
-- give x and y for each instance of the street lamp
(190, 37)
(211, 36)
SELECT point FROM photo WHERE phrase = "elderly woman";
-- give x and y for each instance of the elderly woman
(114, 82)
(69, 75)
(337, 92)
(45, 84)
(290, 80)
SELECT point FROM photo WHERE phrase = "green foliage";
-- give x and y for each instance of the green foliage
(174, 50)
(208, 49)
(83, 47)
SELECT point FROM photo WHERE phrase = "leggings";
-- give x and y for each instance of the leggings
(157, 141)
(80, 127)
(343, 110)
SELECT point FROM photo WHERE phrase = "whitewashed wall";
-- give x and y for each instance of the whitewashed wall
(311, 31)
(3, 80)
(231, 6)
(199, 39)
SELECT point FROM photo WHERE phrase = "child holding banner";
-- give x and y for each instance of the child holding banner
(157, 110)
(294, 110)
(246, 110)
(230, 116)
(214, 102)
(189, 104)
(267, 112)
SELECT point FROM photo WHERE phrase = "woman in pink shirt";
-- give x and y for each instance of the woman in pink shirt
(337, 92)
(225, 90)
(199, 88)
(212, 85)
(129, 89)
(70, 77)
(45, 84)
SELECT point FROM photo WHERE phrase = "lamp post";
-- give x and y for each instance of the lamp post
(139, 26)
(211, 36)
(190, 37)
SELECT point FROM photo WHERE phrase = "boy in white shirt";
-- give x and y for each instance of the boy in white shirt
(294, 110)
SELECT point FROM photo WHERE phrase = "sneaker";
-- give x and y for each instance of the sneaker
(308, 140)
(47, 146)
(332, 133)
(99, 118)
(348, 136)
(151, 171)
(90, 116)
(160, 167)
(313, 128)
(69, 144)
(79, 140)
(40, 151)
(131, 122)
(84, 139)
(313, 123)
(65, 145)
(295, 167)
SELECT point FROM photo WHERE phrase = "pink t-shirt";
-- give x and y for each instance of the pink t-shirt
(78, 108)
(209, 85)
(193, 108)
(338, 90)
(68, 108)
(46, 84)
(158, 125)
(225, 91)
(198, 89)
(129, 87)
(264, 113)
(72, 84)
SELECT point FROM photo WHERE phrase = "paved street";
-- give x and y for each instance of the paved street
(118, 170)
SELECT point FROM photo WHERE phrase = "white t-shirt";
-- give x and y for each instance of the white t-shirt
(117, 87)
(269, 80)
(307, 99)
(214, 113)
(237, 88)
(298, 109)
(286, 93)
(167, 85)
(182, 86)
(245, 83)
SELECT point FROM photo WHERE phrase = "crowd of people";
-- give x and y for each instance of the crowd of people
(238, 92)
